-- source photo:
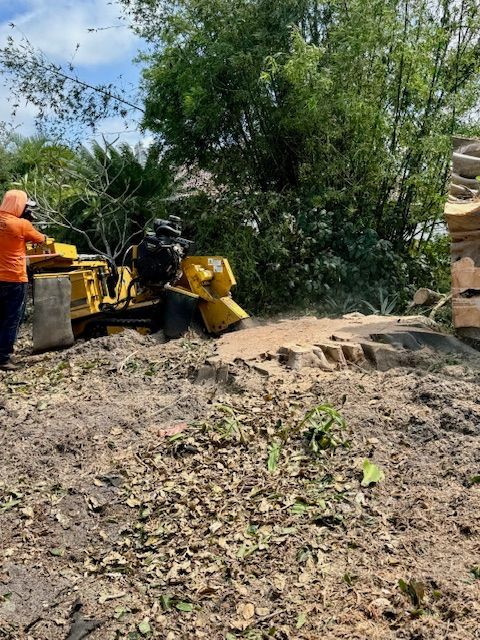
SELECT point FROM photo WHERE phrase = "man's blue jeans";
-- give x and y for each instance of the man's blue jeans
(12, 305)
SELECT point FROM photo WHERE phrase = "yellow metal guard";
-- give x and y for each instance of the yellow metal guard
(211, 278)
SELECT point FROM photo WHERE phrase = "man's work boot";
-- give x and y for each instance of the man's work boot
(9, 366)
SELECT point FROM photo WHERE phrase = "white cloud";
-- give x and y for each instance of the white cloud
(57, 27)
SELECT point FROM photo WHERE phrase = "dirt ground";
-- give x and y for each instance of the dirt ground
(137, 500)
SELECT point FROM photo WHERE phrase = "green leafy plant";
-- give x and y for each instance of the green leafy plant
(257, 542)
(145, 628)
(323, 427)
(167, 602)
(229, 426)
(274, 451)
(385, 306)
(301, 620)
(341, 303)
(297, 109)
(414, 589)
(300, 507)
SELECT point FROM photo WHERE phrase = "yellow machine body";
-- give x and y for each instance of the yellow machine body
(88, 289)
(87, 277)
(208, 279)
(211, 278)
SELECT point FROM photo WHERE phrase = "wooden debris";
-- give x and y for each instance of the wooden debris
(426, 297)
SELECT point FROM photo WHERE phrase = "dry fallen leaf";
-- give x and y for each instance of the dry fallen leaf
(172, 431)
(246, 610)
(279, 581)
(27, 512)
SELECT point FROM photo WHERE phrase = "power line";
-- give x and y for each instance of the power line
(57, 72)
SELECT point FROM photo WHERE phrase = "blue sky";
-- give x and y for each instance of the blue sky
(56, 27)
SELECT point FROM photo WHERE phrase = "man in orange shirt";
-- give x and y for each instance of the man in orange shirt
(15, 231)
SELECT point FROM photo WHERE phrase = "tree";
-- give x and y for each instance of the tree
(351, 104)
(102, 198)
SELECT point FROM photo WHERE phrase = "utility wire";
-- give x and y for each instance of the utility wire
(52, 69)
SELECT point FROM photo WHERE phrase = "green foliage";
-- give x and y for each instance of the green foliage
(431, 263)
(323, 129)
(274, 451)
(299, 109)
(323, 427)
(63, 103)
(121, 195)
(100, 199)
(414, 589)
(352, 104)
(144, 627)
(228, 426)
(385, 305)
(286, 252)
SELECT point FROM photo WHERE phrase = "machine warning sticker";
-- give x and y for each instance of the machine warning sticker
(216, 264)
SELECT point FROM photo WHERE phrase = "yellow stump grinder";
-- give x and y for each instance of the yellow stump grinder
(162, 288)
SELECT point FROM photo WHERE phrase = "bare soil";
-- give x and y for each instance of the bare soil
(136, 502)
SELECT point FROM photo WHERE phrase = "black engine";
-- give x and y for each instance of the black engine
(161, 252)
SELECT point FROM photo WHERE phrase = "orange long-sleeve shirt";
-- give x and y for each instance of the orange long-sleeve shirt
(14, 233)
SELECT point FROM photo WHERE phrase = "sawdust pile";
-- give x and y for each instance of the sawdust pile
(136, 502)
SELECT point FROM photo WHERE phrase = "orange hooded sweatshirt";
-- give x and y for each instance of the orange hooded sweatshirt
(14, 233)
